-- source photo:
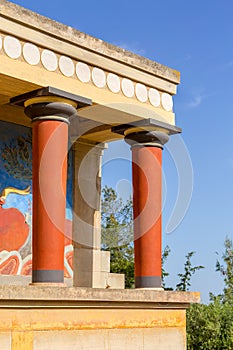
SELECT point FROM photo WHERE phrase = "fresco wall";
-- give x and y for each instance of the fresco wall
(16, 202)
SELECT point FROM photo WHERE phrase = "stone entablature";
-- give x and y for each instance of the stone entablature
(39, 27)
(124, 87)
(55, 62)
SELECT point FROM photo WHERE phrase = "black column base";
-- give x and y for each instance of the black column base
(47, 276)
(148, 282)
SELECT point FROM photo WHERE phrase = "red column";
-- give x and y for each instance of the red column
(49, 144)
(147, 206)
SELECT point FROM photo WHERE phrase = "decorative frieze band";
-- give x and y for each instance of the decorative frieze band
(52, 61)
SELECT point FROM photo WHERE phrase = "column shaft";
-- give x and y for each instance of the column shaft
(147, 201)
(50, 110)
(50, 139)
(147, 138)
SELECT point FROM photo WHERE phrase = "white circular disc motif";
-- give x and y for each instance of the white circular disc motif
(0, 43)
(141, 92)
(154, 97)
(83, 72)
(31, 54)
(66, 66)
(167, 102)
(12, 47)
(127, 87)
(98, 77)
(49, 60)
(113, 82)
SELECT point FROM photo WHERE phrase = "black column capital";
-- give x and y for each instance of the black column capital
(50, 103)
(50, 111)
(147, 138)
(146, 132)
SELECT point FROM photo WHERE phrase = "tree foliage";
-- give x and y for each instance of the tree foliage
(226, 269)
(117, 234)
(189, 270)
(185, 277)
(165, 273)
(210, 326)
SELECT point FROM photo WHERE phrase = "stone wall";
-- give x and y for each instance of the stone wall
(49, 318)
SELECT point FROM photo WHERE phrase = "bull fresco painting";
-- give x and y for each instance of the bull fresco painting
(16, 203)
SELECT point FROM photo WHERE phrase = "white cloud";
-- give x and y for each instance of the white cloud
(197, 96)
(196, 101)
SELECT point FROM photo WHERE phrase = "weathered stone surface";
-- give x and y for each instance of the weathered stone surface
(36, 318)
(5, 340)
(136, 339)
(17, 280)
(78, 340)
(31, 293)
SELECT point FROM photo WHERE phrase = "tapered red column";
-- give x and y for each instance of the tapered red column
(50, 110)
(49, 148)
(147, 206)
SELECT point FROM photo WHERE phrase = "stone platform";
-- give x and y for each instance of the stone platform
(49, 318)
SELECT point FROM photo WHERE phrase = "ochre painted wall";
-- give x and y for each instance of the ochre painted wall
(79, 325)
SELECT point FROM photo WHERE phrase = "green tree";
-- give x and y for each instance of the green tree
(189, 271)
(165, 273)
(117, 234)
(210, 326)
(226, 269)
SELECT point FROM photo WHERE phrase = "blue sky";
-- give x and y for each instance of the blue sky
(196, 39)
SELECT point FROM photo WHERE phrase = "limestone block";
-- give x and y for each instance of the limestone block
(164, 338)
(86, 234)
(130, 339)
(92, 260)
(112, 339)
(100, 279)
(5, 341)
(83, 279)
(93, 270)
(88, 260)
(14, 280)
(108, 280)
(116, 281)
(87, 186)
(87, 191)
(75, 340)
(105, 261)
